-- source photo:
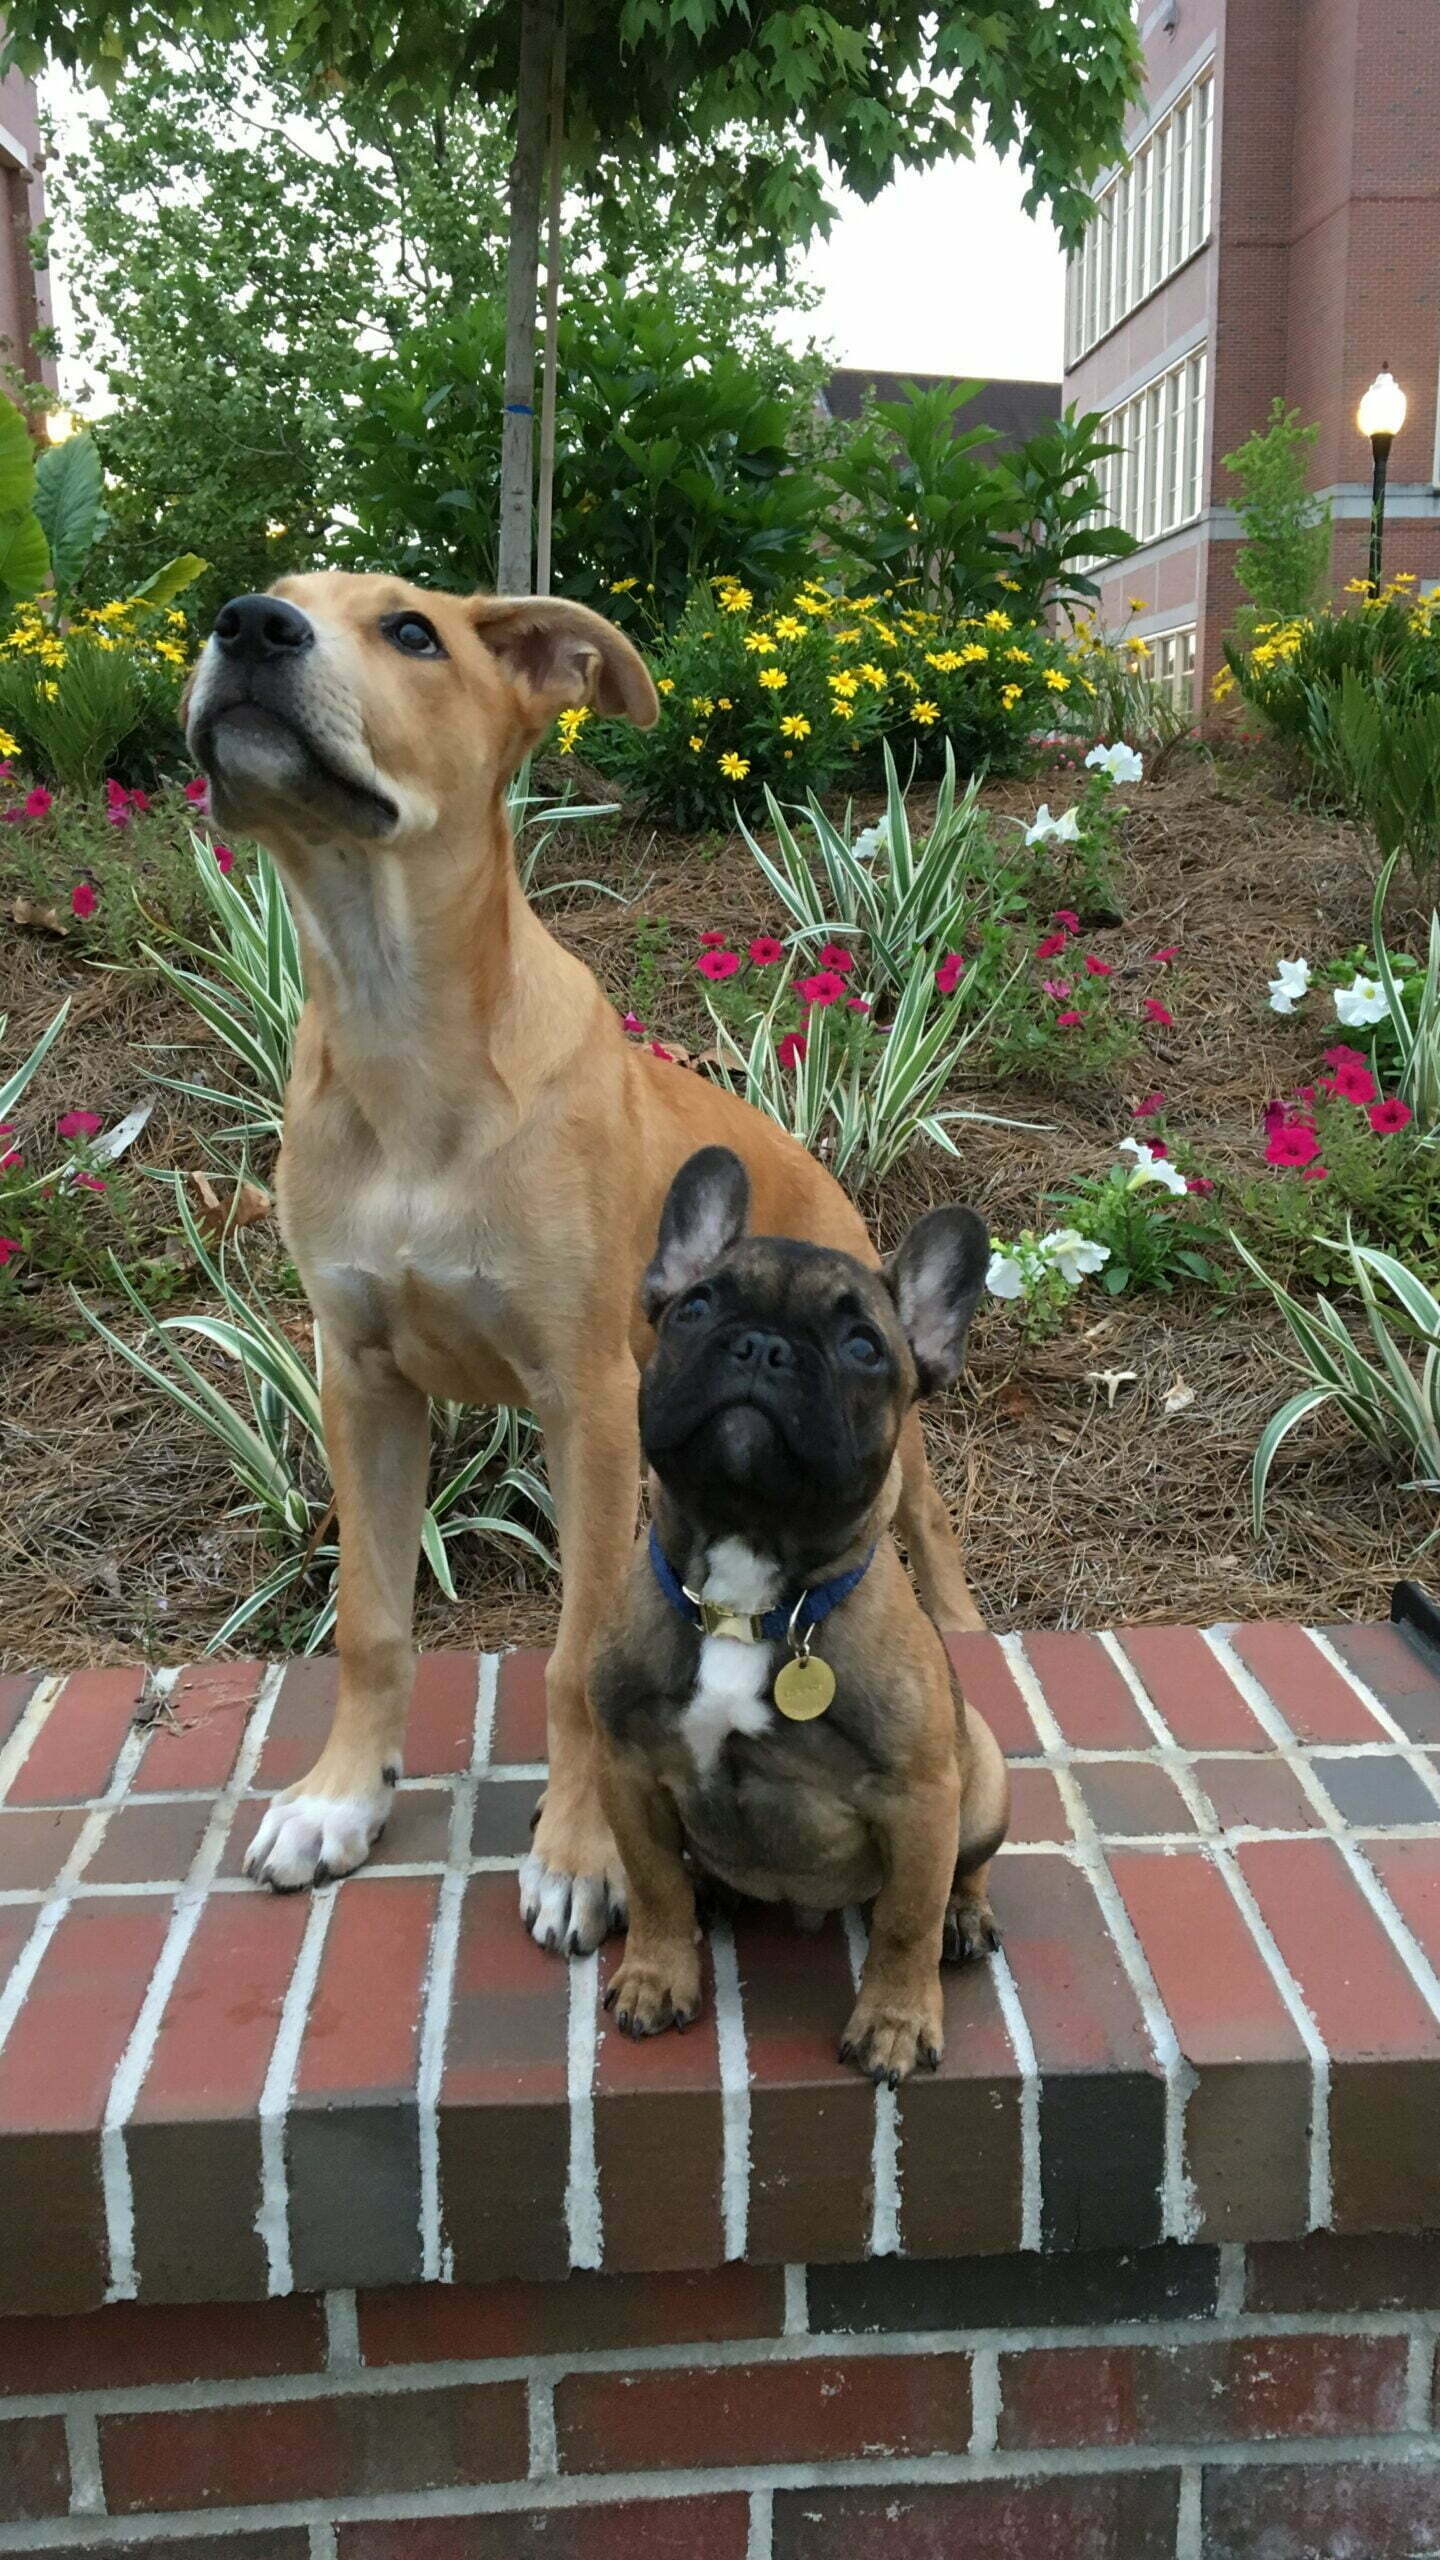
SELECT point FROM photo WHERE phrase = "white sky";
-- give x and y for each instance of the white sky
(944, 273)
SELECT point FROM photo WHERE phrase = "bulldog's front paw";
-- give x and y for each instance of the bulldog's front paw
(654, 1988)
(971, 1929)
(894, 2031)
(316, 1831)
(572, 1884)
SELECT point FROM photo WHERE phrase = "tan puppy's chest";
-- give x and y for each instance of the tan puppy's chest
(403, 1268)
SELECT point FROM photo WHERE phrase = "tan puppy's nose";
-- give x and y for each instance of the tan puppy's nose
(253, 629)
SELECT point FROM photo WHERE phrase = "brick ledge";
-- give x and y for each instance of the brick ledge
(1217, 2019)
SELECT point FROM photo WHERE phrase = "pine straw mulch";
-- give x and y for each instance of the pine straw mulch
(117, 1532)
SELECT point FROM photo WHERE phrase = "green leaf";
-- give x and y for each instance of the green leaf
(68, 485)
(24, 557)
(171, 581)
(17, 462)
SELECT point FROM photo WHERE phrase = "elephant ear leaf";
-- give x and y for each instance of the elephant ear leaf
(24, 557)
(68, 485)
(17, 462)
(163, 585)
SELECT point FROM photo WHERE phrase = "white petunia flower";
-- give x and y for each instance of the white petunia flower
(1075, 1256)
(1152, 1168)
(871, 842)
(1120, 762)
(1048, 830)
(1361, 1003)
(1004, 1278)
(1289, 984)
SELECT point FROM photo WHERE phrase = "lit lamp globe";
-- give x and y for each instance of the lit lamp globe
(1382, 410)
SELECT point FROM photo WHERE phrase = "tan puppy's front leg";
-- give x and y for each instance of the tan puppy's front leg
(658, 1983)
(572, 1885)
(929, 1539)
(896, 2021)
(377, 1435)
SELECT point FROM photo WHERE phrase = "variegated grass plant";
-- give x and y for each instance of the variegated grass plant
(1392, 1402)
(275, 1442)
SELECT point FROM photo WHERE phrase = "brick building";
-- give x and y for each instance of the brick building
(24, 290)
(1275, 230)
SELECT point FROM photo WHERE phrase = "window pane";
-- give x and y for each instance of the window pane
(1180, 242)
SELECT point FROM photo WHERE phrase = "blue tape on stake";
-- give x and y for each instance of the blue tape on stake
(518, 409)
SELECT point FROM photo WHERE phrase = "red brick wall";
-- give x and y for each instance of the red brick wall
(1122, 2406)
(24, 293)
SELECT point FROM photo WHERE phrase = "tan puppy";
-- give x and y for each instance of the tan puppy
(475, 1157)
(776, 1707)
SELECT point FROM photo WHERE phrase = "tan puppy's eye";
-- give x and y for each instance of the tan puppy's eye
(412, 635)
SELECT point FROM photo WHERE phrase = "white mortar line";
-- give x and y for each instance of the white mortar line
(797, 2302)
(544, 2443)
(985, 2400)
(16, 1751)
(582, 2491)
(436, 2260)
(342, 2331)
(1190, 2520)
(1179, 2209)
(583, 2219)
(323, 2545)
(734, 2088)
(82, 2446)
(1406, 1945)
(885, 2144)
(134, 2063)
(272, 2221)
(1218, 1847)
(1032, 2191)
(760, 2539)
(388, 2382)
(52, 1908)
(1230, 2284)
(1419, 2373)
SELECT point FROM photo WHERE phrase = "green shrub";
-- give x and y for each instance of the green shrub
(1390, 641)
(803, 696)
(1285, 558)
(672, 458)
(1395, 1405)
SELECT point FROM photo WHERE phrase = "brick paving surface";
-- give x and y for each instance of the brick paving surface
(1216, 2018)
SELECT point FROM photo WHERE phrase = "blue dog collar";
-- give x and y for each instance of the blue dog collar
(792, 1622)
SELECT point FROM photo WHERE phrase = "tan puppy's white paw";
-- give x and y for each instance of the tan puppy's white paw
(308, 1839)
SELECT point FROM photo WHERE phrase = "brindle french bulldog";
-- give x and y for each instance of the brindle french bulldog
(776, 1709)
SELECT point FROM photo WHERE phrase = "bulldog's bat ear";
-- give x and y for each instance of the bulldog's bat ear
(704, 1215)
(936, 1278)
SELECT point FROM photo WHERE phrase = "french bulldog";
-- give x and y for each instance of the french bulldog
(776, 1710)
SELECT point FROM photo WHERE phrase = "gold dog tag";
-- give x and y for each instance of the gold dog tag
(804, 1688)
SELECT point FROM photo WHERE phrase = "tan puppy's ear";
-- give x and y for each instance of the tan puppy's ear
(561, 655)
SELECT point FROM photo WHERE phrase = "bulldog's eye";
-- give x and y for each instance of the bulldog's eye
(691, 1308)
(862, 1349)
(412, 635)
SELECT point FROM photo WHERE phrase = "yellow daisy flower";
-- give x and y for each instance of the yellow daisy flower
(725, 703)
(945, 661)
(1011, 585)
(773, 679)
(998, 621)
(734, 767)
(568, 728)
(664, 684)
(795, 725)
(1018, 657)
(1055, 680)
(702, 703)
(788, 628)
(925, 713)
(1010, 694)
(736, 600)
(759, 641)
(695, 745)
(622, 586)
(973, 655)
(842, 710)
(874, 676)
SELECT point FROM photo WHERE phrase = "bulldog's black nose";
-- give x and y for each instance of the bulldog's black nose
(755, 1350)
(258, 627)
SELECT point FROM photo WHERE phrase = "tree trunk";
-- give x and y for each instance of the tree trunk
(537, 38)
(545, 505)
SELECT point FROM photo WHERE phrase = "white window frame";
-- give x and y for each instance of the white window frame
(1155, 484)
(1153, 216)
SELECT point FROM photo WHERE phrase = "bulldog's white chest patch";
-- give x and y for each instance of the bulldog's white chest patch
(732, 1676)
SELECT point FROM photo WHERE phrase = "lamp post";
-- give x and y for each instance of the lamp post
(1380, 416)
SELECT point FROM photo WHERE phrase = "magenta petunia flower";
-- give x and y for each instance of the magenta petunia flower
(1068, 1021)
(1147, 1106)
(718, 964)
(1067, 919)
(836, 957)
(9, 1247)
(197, 792)
(78, 1124)
(1059, 988)
(1051, 947)
(765, 950)
(1099, 968)
(713, 940)
(633, 1024)
(88, 1182)
(1386, 1117)
(224, 858)
(791, 1049)
(1162, 959)
(825, 988)
(1157, 1013)
(1293, 1146)
(83, 900)
(950, 972)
